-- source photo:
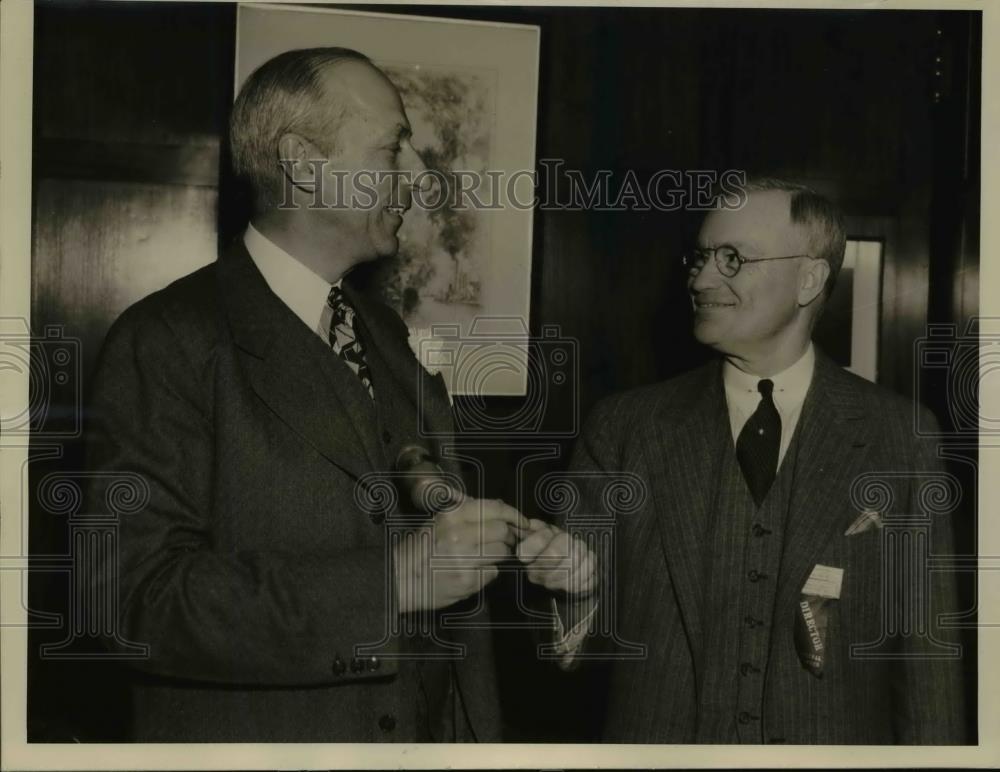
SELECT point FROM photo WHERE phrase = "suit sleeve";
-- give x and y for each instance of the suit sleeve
(254, 618)
(929, 694)
(593, 457)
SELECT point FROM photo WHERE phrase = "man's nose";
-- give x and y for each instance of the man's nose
(417, 176)
(707, 277)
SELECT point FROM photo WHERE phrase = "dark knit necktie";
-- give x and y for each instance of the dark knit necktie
(344, 339)
(758, 444)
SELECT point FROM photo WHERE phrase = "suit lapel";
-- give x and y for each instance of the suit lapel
(291, 369)
(425, 392)
(833, 448)
(682, 447)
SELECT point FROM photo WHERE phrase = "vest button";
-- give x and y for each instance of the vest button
(755, 575)
(387, 722)
(745, 718)
(758, 530)
(751, 621)
(746, 668)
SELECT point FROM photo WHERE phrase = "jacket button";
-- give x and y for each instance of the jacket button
(373, 664)
(357, 666)
(745, 718)
(755, 575)
(339, 668)
(386, 436)
(387, 723)
(759, 530)
(377, 517)
(747, 668)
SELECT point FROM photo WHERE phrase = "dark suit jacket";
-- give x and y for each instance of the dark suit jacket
(253, 572)
(670, 434)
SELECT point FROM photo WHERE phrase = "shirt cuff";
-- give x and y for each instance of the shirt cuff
(567, 644)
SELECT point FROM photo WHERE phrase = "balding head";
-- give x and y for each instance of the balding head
(358, 87)
(301, 92)
(818, 215)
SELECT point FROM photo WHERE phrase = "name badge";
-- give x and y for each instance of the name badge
(824, 582)
(812, 619)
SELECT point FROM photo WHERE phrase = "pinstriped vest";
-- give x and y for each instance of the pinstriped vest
(741, 572)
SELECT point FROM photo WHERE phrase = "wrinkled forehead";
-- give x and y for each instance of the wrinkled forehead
(362, 88)
(763, 224)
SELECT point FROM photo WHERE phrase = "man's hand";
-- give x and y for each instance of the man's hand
(456, 555)
(557, 561)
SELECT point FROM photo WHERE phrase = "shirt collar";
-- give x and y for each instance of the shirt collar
(303, 291)
(790, 385)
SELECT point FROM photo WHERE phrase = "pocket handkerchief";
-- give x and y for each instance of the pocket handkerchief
(866, 521)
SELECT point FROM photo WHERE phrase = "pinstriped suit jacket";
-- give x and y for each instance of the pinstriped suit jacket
(671, 434)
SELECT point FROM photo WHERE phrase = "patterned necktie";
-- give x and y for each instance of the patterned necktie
(344, 340)
(759, 442)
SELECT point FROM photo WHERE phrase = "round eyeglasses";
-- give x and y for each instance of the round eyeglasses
(727, 259)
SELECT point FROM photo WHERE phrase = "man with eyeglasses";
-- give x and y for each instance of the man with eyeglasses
(760, 573)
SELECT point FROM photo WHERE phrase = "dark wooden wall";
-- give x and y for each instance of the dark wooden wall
(878, 108)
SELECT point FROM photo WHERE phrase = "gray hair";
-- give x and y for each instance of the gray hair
(827, 235)
(283, 95)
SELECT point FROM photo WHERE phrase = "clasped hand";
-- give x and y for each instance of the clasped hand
(457, 554)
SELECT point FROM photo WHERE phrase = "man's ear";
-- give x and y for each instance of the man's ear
(301, 161)
(812, 280)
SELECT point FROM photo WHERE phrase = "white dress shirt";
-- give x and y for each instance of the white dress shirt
(790, 387)
(303, 291)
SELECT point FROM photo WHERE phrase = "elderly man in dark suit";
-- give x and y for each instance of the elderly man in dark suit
(755, 573)
(254, 396)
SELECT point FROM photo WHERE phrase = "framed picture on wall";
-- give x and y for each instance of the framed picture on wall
(461, 279)
(849, 328)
